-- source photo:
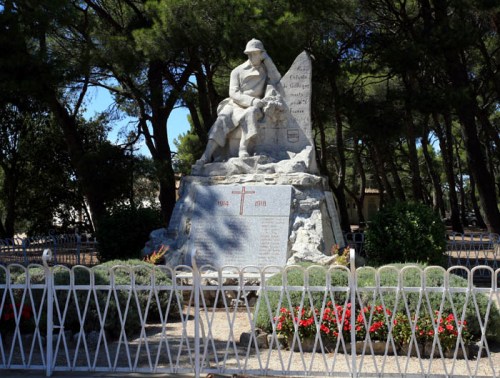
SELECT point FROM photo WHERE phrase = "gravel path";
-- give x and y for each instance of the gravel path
(234, 356)
(172, 349)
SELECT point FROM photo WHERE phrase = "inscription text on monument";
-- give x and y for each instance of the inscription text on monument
(241, 225)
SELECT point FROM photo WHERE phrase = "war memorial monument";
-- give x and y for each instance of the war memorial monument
(256, 197)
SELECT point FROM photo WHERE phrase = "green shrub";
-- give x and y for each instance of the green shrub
(406, 232)
(124, 233)
(82, 303)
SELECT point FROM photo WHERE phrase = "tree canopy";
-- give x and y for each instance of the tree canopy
(405, 98)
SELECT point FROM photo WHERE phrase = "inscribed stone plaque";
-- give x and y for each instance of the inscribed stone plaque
(240, 225)
(296, 85)
(294, 134)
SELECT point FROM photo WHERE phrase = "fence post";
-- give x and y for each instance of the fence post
(78, 248)
(46, 257)
(54, 246)
(197, 284)
(352, 289)
(25, 246)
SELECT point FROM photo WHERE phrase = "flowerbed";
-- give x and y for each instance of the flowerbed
(375, 324)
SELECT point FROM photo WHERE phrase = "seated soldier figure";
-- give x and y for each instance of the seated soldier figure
(243, 108)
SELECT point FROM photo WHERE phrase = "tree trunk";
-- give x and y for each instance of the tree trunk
(362, 188)
(478, 165)
(162, 155)
(461, 190)
(466, 105)
(3, 233)
(475, 206)
(398, 186)
(76, 152)
(436, 181)
(445, 144)
(380, 184)
(10, 191)
(381, 173)
(411, 140)
(339, 135)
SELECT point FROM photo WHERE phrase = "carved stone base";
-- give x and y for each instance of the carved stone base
(296, 163)
(254, 232)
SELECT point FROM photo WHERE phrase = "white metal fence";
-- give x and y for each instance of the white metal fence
(275, 321)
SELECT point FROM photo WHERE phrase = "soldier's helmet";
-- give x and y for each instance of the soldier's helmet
(254, 45)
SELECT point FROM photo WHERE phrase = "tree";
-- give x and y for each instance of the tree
(466, 107)
(48, 43)
(189, 149)
(148, 50)
(436, 43)
(14, 126)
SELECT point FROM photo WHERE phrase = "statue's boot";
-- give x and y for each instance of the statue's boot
(209, 152)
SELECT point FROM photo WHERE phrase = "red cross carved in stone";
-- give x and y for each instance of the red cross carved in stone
(243, 193)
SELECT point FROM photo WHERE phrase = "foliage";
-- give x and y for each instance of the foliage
(406, 232)
(336, 320)
(272, 301)
(154, 56)
(156, 256)
(145, 186)
(343, 254)
(40, 188)
(303, 319)
(82, 303)
(189, 149)
(123, 233)
(460, 303)
(407, 302)
(445, 325)
(376, 319)
(108, 168)
(35, 173)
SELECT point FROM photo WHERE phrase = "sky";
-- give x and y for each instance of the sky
(99, 99)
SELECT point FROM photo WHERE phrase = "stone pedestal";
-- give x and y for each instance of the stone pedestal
(251, 220)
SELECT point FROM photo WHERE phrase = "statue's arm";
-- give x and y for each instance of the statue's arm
(235, 93)
(272, 72)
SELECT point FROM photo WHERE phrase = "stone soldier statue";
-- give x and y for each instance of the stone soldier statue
(248, 85)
